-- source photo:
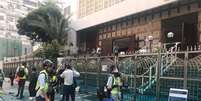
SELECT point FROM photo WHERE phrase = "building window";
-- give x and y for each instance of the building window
(113, 27)
(100, 37)
(113, 34)
(67, 11)
(100, 43)
(1, 17)
(10, 19)
(92, 6)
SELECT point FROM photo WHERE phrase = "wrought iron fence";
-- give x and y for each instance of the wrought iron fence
(149, 76)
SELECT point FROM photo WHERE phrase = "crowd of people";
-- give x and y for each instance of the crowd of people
(50, 80)
(43, 85)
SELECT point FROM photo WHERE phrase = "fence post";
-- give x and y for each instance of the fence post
(158, 77)
(185, 70)
(134, 78)
(85, 72)
(99, 71)
(115, 60)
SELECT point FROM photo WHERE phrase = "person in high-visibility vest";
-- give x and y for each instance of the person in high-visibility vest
(43, 82)
(21, 74)
(114, 84)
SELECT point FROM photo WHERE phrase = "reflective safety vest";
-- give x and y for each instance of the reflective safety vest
(53, 80)
(116, 82)
(46, 81)
(25, 76)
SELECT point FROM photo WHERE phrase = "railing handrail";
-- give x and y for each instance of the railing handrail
(172, 52)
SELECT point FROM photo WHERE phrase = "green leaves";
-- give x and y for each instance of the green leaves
(49, 51)
(47, 23)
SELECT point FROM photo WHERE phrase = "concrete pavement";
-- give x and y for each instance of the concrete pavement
(10, 92)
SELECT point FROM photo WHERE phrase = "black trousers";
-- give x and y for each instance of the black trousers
(69, 91)
(21, 88)
(11, 79)
(51, 94)
(1, 84)
(32, 90)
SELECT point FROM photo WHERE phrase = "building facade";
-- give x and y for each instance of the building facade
(128, 24)
(10, 11)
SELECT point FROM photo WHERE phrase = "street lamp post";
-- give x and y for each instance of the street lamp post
(170, 36)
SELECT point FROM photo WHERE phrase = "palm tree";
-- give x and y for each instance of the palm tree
(45, 24)
(48, 25)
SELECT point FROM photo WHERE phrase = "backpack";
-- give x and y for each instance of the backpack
(21, 72)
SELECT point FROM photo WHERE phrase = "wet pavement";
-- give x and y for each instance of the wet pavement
(9, 93)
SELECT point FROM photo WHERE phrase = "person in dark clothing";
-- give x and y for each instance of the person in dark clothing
(52, 83)
(12, 77)
(60, 81)
(33, 80)
(1, 78)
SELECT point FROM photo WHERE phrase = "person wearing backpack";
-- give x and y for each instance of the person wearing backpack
(43, 82)
(32, 79)
(22, 73)
(1, 78)
(69, 82)
(114, 84)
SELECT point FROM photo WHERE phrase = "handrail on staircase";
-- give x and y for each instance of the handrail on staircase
(165, 58)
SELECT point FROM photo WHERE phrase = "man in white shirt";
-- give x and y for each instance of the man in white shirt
(68, 75)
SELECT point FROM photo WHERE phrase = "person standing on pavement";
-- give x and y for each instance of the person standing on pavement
(32, 85)
(52, 83)
(60, 80)
(12, 77)
(69, 86)
(114, 84)
(42, 82)
(22, 73)
(1, 78)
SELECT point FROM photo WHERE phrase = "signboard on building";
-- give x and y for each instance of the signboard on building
(178, 94)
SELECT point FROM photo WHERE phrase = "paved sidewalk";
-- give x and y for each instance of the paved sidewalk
(10, 93)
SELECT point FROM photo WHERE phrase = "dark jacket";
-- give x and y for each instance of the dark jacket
(33, 79)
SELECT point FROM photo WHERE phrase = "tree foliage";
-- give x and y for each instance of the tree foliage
(44, 24)
(49, 51)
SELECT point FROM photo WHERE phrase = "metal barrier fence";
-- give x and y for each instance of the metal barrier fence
(11, 66)
(149, 76)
